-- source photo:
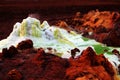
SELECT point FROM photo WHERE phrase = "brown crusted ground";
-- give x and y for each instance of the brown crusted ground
(35, 64)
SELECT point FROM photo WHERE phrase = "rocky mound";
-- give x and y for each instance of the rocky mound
(35, 64)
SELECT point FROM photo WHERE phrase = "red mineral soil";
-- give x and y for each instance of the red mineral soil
(35, 64)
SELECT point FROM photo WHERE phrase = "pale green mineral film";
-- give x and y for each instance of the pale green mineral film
(23, 28)
(61, 38)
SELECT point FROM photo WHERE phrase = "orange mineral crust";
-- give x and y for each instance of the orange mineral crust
(35, 64)
(90, 66)
(103, 26)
